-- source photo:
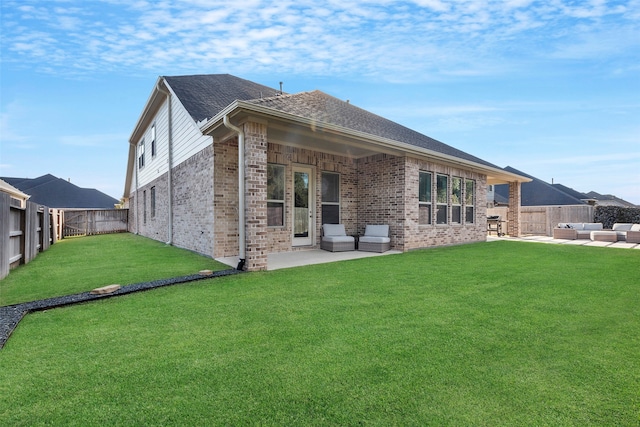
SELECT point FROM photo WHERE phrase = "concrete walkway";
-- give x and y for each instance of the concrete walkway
(577, 242)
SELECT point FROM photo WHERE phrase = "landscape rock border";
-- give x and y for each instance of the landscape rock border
(11, 315)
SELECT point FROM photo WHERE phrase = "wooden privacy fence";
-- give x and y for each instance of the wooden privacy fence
(540, 220)
(89, 222)
(25, 231)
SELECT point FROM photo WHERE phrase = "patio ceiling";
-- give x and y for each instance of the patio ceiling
(296, 131)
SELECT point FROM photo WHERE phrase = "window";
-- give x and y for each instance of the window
(153, 202)
(456, 200)
(153, 140)
(442, 199)
(141, 155)
(469, 200)
(144, 207)
(424, 198)
(275, 195)
(330, 198)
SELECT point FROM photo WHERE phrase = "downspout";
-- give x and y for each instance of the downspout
(170, 160)
(137, 198)
(241, 215)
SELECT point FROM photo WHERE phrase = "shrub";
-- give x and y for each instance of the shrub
(609, 215)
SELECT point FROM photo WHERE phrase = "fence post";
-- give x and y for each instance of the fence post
(5, 229)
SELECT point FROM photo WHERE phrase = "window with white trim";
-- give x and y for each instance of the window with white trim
(456, 200)
(153, 140)
(469, 201)
(141, 154)
(424, 198)
(330, 198)
(275, 195)
(442, 199)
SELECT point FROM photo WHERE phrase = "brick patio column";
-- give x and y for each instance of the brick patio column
(256, 195)
(513, 215)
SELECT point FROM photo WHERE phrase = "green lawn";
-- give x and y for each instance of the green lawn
(489, 334)
(84, 263)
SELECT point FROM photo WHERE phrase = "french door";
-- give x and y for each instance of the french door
(303, 206)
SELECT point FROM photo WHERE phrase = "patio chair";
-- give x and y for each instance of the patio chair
(335, 239)
(375, 239)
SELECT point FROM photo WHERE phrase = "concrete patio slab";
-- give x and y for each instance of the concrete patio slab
(624, 245)
(577, 242)
(276, 261)
(598, 243)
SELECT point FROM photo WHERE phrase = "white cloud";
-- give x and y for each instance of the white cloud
(450, 39)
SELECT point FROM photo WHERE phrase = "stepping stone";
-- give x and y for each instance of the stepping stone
(206, 272)
(105, 289)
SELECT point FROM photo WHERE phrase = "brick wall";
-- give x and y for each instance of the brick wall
(154, 227)
(513, 216)
(192, 203)
(256, 195)
(225, 197)
(381, 194)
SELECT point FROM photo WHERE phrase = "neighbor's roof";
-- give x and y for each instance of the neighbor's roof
(538, 192)
(317, 105)
(55, 192)
(609, 200)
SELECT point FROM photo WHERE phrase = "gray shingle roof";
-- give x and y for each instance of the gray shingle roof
(56, 192)
(317, 105)
(206, 95)
(538, 192)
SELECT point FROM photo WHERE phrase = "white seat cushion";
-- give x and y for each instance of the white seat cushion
(621, 226)
(593, 226)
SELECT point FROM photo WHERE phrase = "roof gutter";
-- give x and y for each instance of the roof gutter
(241, 201)
(170, 160)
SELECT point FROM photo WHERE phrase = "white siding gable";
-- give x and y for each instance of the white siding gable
(187, 138)
(187, 141)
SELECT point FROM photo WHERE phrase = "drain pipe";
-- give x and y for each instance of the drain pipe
(241, 218)
(170, 160)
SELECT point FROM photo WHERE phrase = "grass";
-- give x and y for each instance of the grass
(489, 334)
(85, 263)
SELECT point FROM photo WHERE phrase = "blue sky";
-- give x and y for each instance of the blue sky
(551, 88)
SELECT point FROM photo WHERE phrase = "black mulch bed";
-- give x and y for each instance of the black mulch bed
(11, 315)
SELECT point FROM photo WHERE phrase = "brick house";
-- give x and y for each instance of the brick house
(305, 159)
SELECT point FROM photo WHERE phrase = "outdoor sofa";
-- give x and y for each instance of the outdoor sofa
(375, 239)
(576, 230)
(335, 239)
(622, 231)
(627, 232)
